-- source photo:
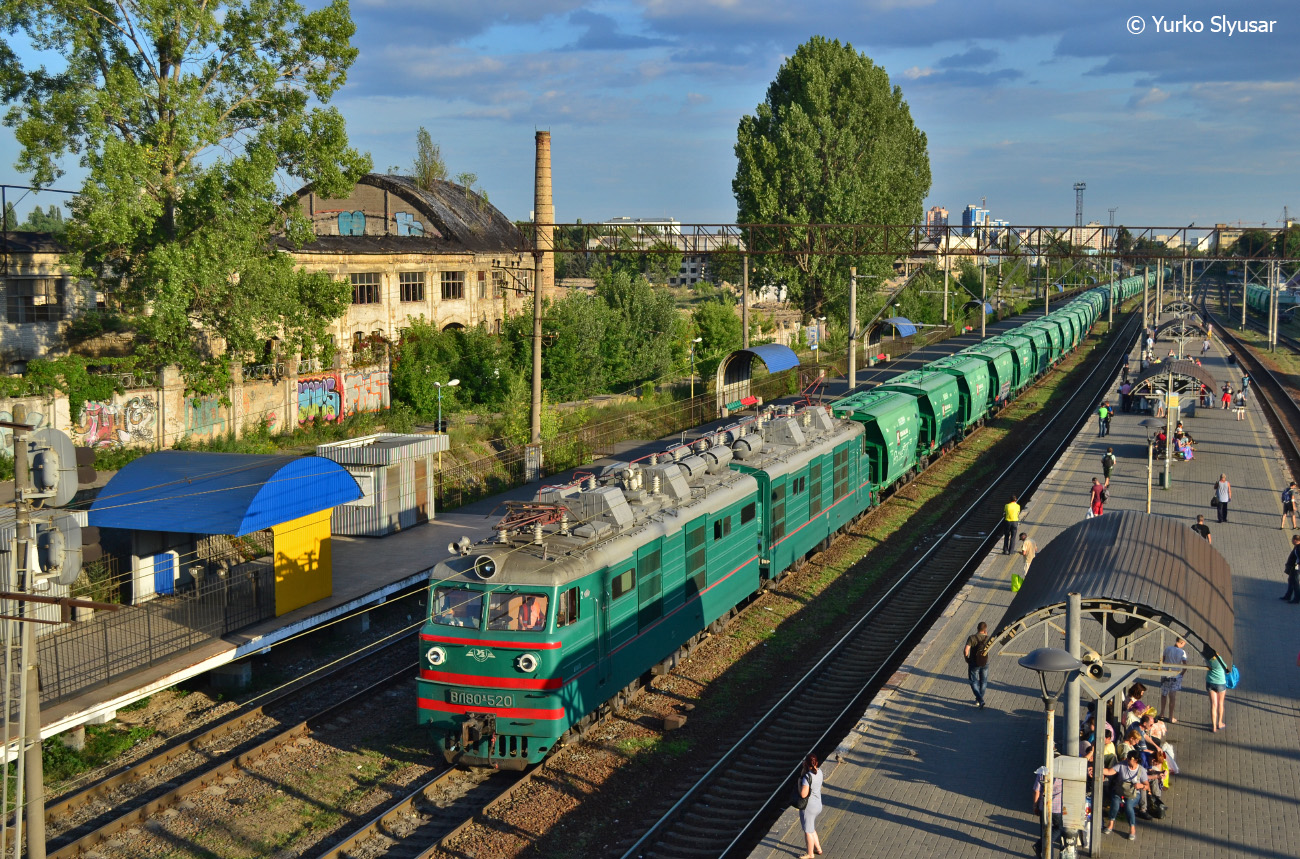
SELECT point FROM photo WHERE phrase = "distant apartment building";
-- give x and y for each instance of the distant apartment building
(973, 218)
(443, 254)
(936, 221)
(1092, 236)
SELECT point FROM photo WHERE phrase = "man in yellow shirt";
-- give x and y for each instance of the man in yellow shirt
(1011, 518)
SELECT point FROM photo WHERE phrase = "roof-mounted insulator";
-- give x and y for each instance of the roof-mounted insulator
(503, 536)
(537, 533)
(591, 482)
(564, 523)
(655, 483)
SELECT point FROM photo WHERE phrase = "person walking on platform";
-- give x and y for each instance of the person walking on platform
(1201, 528)
(1216, 683)
(1292, 594)
(1102, 414)
(810, 788)
(1226, 397)
(1170, 686)
(1205, 347)
(977, 662)
(1108, 464)
(1011, 521)
(1288, 505)
(1097, 497)
(1028, 548)
(1223, 494)
(1125, 397)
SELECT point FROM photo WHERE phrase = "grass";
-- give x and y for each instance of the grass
(104, 744)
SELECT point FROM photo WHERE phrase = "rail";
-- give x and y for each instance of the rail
(872, 648)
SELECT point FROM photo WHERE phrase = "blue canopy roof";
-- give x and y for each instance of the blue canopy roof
(906, 328)
(775, 356)
(219, 493)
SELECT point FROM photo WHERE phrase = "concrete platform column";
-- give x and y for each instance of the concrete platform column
(233, 677)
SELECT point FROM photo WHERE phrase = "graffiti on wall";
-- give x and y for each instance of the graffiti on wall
(36, 419)
(204, 417)
(319, 398)
(407, 225)
(352, 223)
(364, 391)
(129, 424)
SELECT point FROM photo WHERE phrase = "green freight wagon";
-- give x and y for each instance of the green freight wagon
(973, 375)
(1002, 370)
(891, 422)
(939, 400)
(1026, 357)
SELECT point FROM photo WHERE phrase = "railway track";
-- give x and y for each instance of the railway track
(726, 808)
(1280, 407)
(151, 785)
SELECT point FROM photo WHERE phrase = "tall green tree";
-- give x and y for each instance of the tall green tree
(832, 143)
(191, 117)
(645, 334)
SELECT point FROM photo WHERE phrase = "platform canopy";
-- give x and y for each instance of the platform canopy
(906, 328)
(1182, 377)
(1137, 574)
(1184, 327)
(734, 373)
(219, 493)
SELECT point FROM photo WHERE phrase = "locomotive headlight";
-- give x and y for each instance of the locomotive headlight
(436, 656)
(527, 662)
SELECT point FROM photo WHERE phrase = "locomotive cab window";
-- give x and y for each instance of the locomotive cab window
(747, 514)
(721, 528)
(566, 612)
(517, 612)
(457, 607)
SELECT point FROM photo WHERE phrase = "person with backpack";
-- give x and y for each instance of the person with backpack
(1288, 505)
(977, 661)
(1108, 464)
(1216, 683)
(1097, 498)
(810, 791)
(1292, 594)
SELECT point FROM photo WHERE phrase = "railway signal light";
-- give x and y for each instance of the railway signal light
(54, 466)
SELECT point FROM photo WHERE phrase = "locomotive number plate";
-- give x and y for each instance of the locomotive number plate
(481, 699)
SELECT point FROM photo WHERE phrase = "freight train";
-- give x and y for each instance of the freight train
(534, 635)
(1257, 299)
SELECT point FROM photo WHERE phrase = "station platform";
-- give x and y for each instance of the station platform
(367, 571)
(926, 773)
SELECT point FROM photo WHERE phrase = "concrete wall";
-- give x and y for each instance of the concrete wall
(160, 414)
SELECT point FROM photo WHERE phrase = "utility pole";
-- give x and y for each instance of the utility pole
(1245, 284)
(744, 302)
(946, 270)
(29, 703)
(853, 327)
(983, 296)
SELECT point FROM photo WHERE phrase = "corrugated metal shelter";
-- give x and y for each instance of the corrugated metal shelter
(198, 494)
(735, 371)
(1134, 571)
(395, 473)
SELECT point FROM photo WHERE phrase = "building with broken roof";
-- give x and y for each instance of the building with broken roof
(445, 254)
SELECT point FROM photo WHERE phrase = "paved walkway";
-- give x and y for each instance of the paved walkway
(927, 774)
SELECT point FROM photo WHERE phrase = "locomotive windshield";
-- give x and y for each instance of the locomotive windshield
(517, 611)
(457, 607)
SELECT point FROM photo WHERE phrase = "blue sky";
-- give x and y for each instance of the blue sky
(1019, 100)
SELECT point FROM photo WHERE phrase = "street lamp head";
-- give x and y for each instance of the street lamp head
(1053, 667)
(453, 383)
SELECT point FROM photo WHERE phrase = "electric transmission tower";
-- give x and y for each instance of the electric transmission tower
(1078, 203)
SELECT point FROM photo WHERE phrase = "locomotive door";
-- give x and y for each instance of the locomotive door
(602, 630)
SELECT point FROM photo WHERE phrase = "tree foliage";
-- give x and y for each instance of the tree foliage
(189, 115)
(429, 168)
(832, 143)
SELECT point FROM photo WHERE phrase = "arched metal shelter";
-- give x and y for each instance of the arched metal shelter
(1182, 377)
(734, 373)
(1141, 578)
(1182, 328)
(905, 328)
(1181, 306)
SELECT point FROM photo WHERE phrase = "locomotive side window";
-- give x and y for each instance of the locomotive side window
(457, 607)
(517, 612)
(649, 596)
(841, 472)
(623, 583)
(696, 575)
(567, 610)
(747, 513)
(798, 485)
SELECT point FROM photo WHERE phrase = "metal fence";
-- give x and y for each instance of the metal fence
(85, 654)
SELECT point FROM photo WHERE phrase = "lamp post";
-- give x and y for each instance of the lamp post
(1053, 667)
(453, 383)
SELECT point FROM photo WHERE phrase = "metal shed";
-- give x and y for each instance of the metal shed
(395, 473)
